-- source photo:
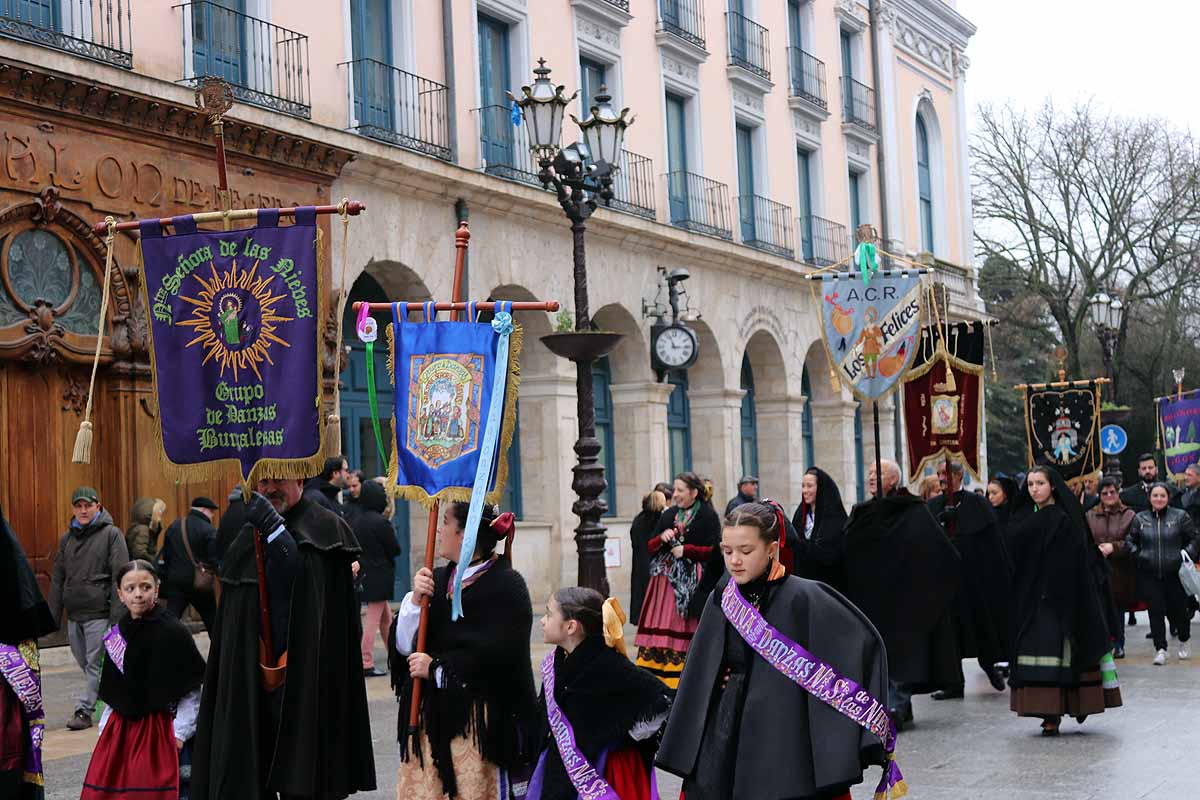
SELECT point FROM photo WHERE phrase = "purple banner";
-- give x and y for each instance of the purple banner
(584, 778)
(19, 666)
(234, 332)
(1179, 425)
(817, 678)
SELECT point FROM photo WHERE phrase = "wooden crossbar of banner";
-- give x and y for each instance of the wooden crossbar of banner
(1080, 384)
(353, 208)
(482, 305)
(1177, 395)
(820, 276)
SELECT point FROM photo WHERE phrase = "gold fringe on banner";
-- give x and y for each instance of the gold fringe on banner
(508, 424)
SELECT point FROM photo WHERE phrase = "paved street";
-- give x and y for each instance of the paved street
(969, 748)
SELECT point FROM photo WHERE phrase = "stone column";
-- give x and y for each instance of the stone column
(716, 438)
(962, 165)
(640, 441)
(781, 448)
(885, 96)
(833, 443)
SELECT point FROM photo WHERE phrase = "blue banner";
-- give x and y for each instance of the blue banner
(1179, 431)
(870, 330)
(445, 374)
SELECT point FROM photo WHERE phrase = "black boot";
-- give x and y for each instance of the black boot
(950, 693)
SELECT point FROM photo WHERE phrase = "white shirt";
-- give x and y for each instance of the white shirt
(408, 619)
(187, 710)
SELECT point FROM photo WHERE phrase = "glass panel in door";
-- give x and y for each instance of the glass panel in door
(370, 33)
(745, 164)
(219, 40)
(677, 161)
(496, 124)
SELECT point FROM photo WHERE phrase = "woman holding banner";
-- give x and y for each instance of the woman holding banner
(748, 674)
(599, 708)
(478, 706)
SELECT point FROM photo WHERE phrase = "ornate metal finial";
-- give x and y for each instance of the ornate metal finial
(1178, 373)
(214, 97)
(866, 233)
(1060, 355)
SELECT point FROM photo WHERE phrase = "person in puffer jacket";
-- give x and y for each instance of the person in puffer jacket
(1155, 540)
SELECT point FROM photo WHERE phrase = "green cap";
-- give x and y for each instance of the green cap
(85, 493)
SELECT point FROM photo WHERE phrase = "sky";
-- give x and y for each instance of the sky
(1133, 58)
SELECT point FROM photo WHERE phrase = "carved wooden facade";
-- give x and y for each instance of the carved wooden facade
(70, 154)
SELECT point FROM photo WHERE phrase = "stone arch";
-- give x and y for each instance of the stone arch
(398, 282)
(816, 363)
(536, 358)
(772, 416)
(708, 373)
(631, 381)
(832, 420)
(630, 360)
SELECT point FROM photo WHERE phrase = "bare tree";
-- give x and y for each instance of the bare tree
(1082, 201)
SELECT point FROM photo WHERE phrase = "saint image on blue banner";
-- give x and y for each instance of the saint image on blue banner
(445, 376)
(870, 330)
(1178, 423)
(234, 338)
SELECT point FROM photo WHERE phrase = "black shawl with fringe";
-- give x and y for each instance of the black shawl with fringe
(161, 665)
(487, 680)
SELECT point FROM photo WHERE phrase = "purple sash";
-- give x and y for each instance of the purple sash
(19, 666)
(584, 778)
(114, 646)
(817, 678)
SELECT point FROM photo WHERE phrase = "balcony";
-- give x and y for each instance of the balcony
(397, 107)
(806, 77)
(633, 186)
(699, 204)
(504, 146)
(683, 19)
(95, 29)
(265, 65)
(858, 104)
(766, 225)
(749, 45)
(822, 241)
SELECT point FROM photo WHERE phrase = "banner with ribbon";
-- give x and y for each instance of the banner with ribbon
(870, 325)
(235, 344)
(943, 398)
(1178, 424)
(455, 410)
(1063, 429)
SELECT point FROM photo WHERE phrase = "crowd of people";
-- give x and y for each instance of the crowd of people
(853, 613)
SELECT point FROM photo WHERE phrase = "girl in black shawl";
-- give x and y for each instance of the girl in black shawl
(613, 707)
(641, 531)
(478, 706)
(1059, 633)
(150, 686)
(684, 539)
(24, 616)
(819, 520)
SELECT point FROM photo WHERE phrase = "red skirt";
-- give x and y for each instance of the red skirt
(134, 760)
(625, 771)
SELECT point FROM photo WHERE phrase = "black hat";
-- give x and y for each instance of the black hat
(203, 502)
(748, 479)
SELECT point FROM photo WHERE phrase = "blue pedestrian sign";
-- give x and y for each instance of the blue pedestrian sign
(1113, 439)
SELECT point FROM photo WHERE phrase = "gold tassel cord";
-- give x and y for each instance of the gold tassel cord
(82, 453)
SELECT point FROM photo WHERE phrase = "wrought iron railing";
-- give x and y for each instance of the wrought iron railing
(807, 77)
(822, 241)
(633, 185)
(504, 145)
(621, 4)
(749, 45)
(682, 18)
(265, 65)
(766, 225)
(858, 103)
(699, 204)
(95, 29)
(395, 106)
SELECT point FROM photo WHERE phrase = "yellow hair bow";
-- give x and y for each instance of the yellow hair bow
(614, 626)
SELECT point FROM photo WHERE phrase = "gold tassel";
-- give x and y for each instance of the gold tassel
(82, 454)
(333, 436)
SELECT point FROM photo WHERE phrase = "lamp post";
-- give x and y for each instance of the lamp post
(1106, 312)
(582, 175)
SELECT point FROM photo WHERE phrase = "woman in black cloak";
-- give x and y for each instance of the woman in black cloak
(1002, 494)
(24, 616)
(739, 728)
(819, 520)
(1060, 637)
(478, 706)
(641, 531)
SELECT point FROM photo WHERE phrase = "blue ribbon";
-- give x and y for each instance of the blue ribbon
(502, 324)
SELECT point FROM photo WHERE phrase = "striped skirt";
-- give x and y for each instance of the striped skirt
(663, 637)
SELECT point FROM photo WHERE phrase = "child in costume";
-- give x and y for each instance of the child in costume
(150, 686)
(599, 707)
(478, 706)
(783, 695)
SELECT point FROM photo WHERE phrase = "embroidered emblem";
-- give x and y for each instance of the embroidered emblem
(444, 406)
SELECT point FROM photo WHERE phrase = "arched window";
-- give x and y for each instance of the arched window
(679, 423)
(924, 186)
(602, 399)
(806, 421)
(749, 421)
(859, 459)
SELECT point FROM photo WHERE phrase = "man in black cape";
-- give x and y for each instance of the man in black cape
(980, 609)
(1137, 495)
(311, 737)
(903, 573)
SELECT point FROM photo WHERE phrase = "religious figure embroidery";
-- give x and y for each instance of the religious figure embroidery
(444, 396)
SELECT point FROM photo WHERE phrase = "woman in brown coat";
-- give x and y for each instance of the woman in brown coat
(1109, 522)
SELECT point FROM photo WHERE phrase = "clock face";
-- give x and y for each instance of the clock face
(674, 347)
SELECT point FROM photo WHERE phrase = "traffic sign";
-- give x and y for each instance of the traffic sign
(1113, 439)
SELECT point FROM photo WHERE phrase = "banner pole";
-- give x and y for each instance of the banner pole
(462, 238)
(878, 457)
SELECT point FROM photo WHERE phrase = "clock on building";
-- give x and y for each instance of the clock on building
(673, 346)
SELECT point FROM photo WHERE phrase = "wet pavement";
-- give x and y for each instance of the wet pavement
(974, 747)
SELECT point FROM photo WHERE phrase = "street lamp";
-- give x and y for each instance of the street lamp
(579, 173)
(1106, 312)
